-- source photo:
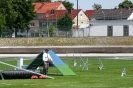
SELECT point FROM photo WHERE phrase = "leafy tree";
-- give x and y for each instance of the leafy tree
(2, 23)
(97, 6)
(67, 4)
(9, 14)
(65, 23)
(17, 14)
(25, 13)
(126, 4)
(51, 30)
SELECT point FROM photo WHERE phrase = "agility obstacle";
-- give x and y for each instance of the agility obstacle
(31, 70)
(60, 65)
(124, 70)
(21, 73)
(83, 63)
(38, 61)
(100, 64)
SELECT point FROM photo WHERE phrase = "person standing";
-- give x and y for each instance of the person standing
(46, 60)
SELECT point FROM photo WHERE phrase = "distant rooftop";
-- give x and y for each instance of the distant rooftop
(42, 7)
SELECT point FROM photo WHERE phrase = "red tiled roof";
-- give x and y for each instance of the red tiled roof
(42, 7)
(74, 13)
(89, 13)
(58, 14)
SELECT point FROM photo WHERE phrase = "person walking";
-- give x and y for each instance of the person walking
(47, 60)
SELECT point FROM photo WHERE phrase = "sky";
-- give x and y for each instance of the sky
(87, 4)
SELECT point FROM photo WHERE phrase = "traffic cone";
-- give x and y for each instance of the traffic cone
(34, 77)
(42, 77)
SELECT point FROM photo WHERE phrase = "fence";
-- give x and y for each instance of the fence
(96, 28)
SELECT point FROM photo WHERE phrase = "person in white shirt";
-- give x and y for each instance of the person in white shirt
(47, 60)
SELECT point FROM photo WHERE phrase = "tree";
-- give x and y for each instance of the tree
(25, 13)
(126, 4)
(6, 9)
(67, 4)
(51, 30)
(65, 23)
(97, 6)
(17, 14)
(2, 23)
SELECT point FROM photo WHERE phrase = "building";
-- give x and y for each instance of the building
(112, 14)
(111, 28)
(82, 18)
(50, 18)
(89, 13)
(41, 8)
(108, 22)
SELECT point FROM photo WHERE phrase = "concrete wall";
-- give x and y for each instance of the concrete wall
(67, 49)
(117, 30)
(98, 31)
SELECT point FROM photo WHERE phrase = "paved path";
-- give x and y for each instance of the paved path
(70, 55)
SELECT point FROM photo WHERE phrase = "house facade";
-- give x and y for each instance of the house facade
(107, 28)
(41, 8)
(112, 28)
(102, 22)
(108, 22)
(82, 18)
(51, 19)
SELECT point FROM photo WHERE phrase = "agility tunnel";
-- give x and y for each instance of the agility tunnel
(20, 73)
(16, 74)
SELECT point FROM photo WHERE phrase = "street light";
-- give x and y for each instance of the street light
(47, 23)
(77, 17)
(77, 14)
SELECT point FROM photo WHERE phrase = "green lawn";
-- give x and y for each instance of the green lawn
(109, 77)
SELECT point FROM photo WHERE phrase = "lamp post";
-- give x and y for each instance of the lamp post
(77, 14)
(77, 17)
(47, 23)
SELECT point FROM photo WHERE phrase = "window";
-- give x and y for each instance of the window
(60, 8)
(81, 16)
(43, 24)
(32, 24)
(125, 30)
(110, 30)
(39, 16)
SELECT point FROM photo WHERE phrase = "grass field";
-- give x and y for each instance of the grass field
(109, 77)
